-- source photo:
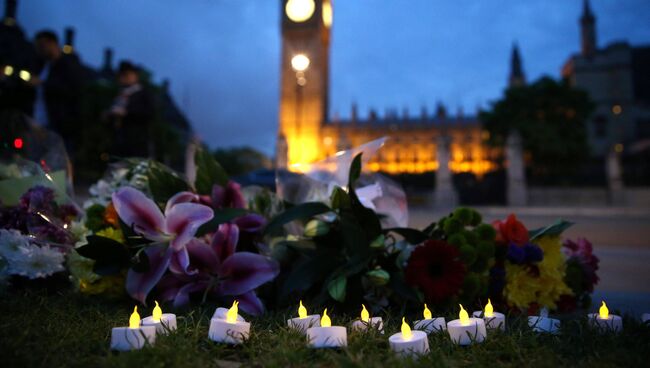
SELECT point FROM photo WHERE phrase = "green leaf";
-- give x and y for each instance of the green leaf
(221, 216)
(412, 236)
(110, 256)
(164, 182)
(399, 286)
(355, 171)
(299, 212)
(340, 199)
(310, 270)
(297, 244)
(554, 229)
(208, 172)
(336, 288)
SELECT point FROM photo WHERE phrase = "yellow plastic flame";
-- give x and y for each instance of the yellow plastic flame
(231, 316)
(604, 311)
(406, 330)
(365, 316)
(427, 312)
(157, 313)
(464, 317)
(134, 320)
(302, 311)
(489, 311)
(325, 320)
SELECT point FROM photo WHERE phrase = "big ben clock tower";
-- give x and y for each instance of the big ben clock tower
(304, 80)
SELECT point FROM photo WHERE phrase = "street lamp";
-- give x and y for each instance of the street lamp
(300, 62)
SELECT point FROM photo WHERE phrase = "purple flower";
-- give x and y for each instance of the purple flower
(177, 226)
(582, 251)
(516, 254)
(229, 196)
(218, 270)
(38, 199)
(533, 253)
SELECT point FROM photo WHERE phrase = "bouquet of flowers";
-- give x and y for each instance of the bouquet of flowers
(175, 239)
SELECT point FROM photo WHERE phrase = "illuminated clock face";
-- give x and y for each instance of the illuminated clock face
(300, 10)
(327, 14)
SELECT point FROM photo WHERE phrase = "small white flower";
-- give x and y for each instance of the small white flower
(40, 262)
(13, 245)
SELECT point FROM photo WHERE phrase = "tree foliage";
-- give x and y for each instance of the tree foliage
(551, 118)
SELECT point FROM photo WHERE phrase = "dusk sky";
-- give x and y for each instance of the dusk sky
(222, 56)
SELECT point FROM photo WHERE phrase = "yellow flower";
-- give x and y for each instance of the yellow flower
(524, 287)
(111, 233)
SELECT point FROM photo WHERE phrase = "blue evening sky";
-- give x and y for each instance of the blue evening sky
(222, 56)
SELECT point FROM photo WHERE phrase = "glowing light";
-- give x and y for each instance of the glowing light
(134, 320)
(18, 143)
(427, 312)
(463, 316)
(157, 313)
(299, 10)
(300, 62)
(618, 148)
(365, 316)
(25, 75)
(9, 70)
(603, 312)
(67, 49)
(617, 109)
(302, 311)
(325, 320)
(489, 311)
(231, 316)
(328, 14)
(406, 330)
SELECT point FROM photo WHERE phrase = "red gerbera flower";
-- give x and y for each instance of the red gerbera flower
(435, 267)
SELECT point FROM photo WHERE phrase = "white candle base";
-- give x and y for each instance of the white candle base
(166, 324)
(302, 324)
(431, 325)
(222, 313)
(461, 334)
(228, 333)
(418, 344)
(614, 323)
(125, 338)
(327, 337)
(375, 323)
(496, 322)
(544, 324)
(645, 317)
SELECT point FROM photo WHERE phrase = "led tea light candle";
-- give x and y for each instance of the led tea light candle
(163, 323)
(230, 330)
(133, 337)
(326, 335)
(366, 322)
(409, 342)
(465, 330)
(605, 321)
(429, 324)
(493, 320)
(543, 323)
(303, 321)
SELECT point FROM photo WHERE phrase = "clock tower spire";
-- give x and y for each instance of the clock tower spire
(304, 78)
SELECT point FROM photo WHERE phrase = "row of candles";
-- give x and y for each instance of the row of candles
(227, 326)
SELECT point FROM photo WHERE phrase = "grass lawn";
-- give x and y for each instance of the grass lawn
(71, 330)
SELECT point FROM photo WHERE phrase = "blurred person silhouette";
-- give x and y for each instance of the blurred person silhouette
(58, 86)
(132, 113)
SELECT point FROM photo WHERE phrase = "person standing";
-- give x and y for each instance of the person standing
(58, 89)
(132, 114)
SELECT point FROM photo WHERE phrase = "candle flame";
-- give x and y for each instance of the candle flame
(427, 312)
(231, 316)
(134, 320)
(464, 317)
(157, 313)
(302, 311)
(603, 311)
(489, 310)
(406, 330)
(325, 320)
(365, 316)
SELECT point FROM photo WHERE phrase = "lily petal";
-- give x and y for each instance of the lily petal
(184, 219)
(250, 303)
(182, 298)
(224, 241)
(139, 212)
(202, 256)
(139, 284)
(180, 262)
(245, 271)
(228, 197)
(250, 223)
(180, 197)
